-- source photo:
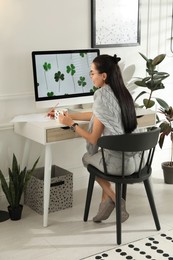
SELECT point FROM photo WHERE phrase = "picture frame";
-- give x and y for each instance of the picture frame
(115, 23)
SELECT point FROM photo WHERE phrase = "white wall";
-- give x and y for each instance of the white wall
(47, 25)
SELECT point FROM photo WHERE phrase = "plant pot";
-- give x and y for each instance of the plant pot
(3, 215)
(15, 213)
(167, 172)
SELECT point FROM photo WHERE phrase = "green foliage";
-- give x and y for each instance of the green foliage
(71, 69)
(82, 82)
(50, 94)
(93, 89)
(46, 66)
(18, 180)
(82, 54)
(166, 127)
(153, 81)
(58, 76)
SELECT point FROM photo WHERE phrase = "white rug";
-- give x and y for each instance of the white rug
(158, 247)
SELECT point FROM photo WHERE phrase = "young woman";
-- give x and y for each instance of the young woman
(113, 113)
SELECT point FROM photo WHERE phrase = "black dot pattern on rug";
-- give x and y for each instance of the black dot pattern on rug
(131, 245)
(101, 257)
(158, 250)
(123, 253)
(165, 255)
(155, 242)
(118, 250)
(104, 255)
(152, 242)
(145, 249)
(167, 237)
(151, 238)
(154, 247)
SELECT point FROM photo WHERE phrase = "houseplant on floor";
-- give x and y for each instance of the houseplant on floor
(152, 82)
(14, 188)
(166, 129)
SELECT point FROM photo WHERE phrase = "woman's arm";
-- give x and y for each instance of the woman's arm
(81, 116)
(92, 137)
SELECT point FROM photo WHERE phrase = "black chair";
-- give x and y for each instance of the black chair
(126, 143)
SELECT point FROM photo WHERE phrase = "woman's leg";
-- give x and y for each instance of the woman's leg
(106, 186)
(108, 195)
(107, 191)
(108, 203)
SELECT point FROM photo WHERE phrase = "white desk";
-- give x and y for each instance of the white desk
(50, 132)
(44, 133)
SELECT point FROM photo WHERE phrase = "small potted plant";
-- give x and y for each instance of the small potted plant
(15, 187)
(166, 129)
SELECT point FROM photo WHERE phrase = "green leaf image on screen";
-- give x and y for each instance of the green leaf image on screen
(82, 54)
(58, 76)
(93, 89)
(82, 82)
(46, 66)
(50, 94)
(71, 69)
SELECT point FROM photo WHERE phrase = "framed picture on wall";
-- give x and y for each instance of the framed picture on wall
(115, 23)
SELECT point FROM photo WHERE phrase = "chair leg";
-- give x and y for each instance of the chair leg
(118, 212)
(124, 191)
(89, 196)
(152, 203)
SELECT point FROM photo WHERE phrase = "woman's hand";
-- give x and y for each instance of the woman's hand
(51, 114)
(65, 119)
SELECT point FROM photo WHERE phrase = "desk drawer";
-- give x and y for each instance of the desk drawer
(57, 134)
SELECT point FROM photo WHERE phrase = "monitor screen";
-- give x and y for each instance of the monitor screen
(63, 77)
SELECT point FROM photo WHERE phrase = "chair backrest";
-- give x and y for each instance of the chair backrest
(130, 142)
(135, 142)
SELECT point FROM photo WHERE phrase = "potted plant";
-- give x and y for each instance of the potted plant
(166, 129)
(152, 82)
(15, 187)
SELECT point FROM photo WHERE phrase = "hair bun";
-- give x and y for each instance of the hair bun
(116, 59)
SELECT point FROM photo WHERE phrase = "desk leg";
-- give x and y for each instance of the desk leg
(47, 180)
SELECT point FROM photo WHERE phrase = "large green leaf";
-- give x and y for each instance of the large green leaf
(143, 56)
(148, 103)
(5, 188)
(140, 83)
(165, 128)
(162, 103)
(140, 94)
(158, 59)
(161, 140)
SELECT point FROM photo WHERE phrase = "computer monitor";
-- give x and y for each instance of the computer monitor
(62, 77)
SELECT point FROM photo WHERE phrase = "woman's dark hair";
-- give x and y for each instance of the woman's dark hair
(109, 65)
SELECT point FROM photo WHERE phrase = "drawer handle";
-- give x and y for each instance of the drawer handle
(57, 183)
